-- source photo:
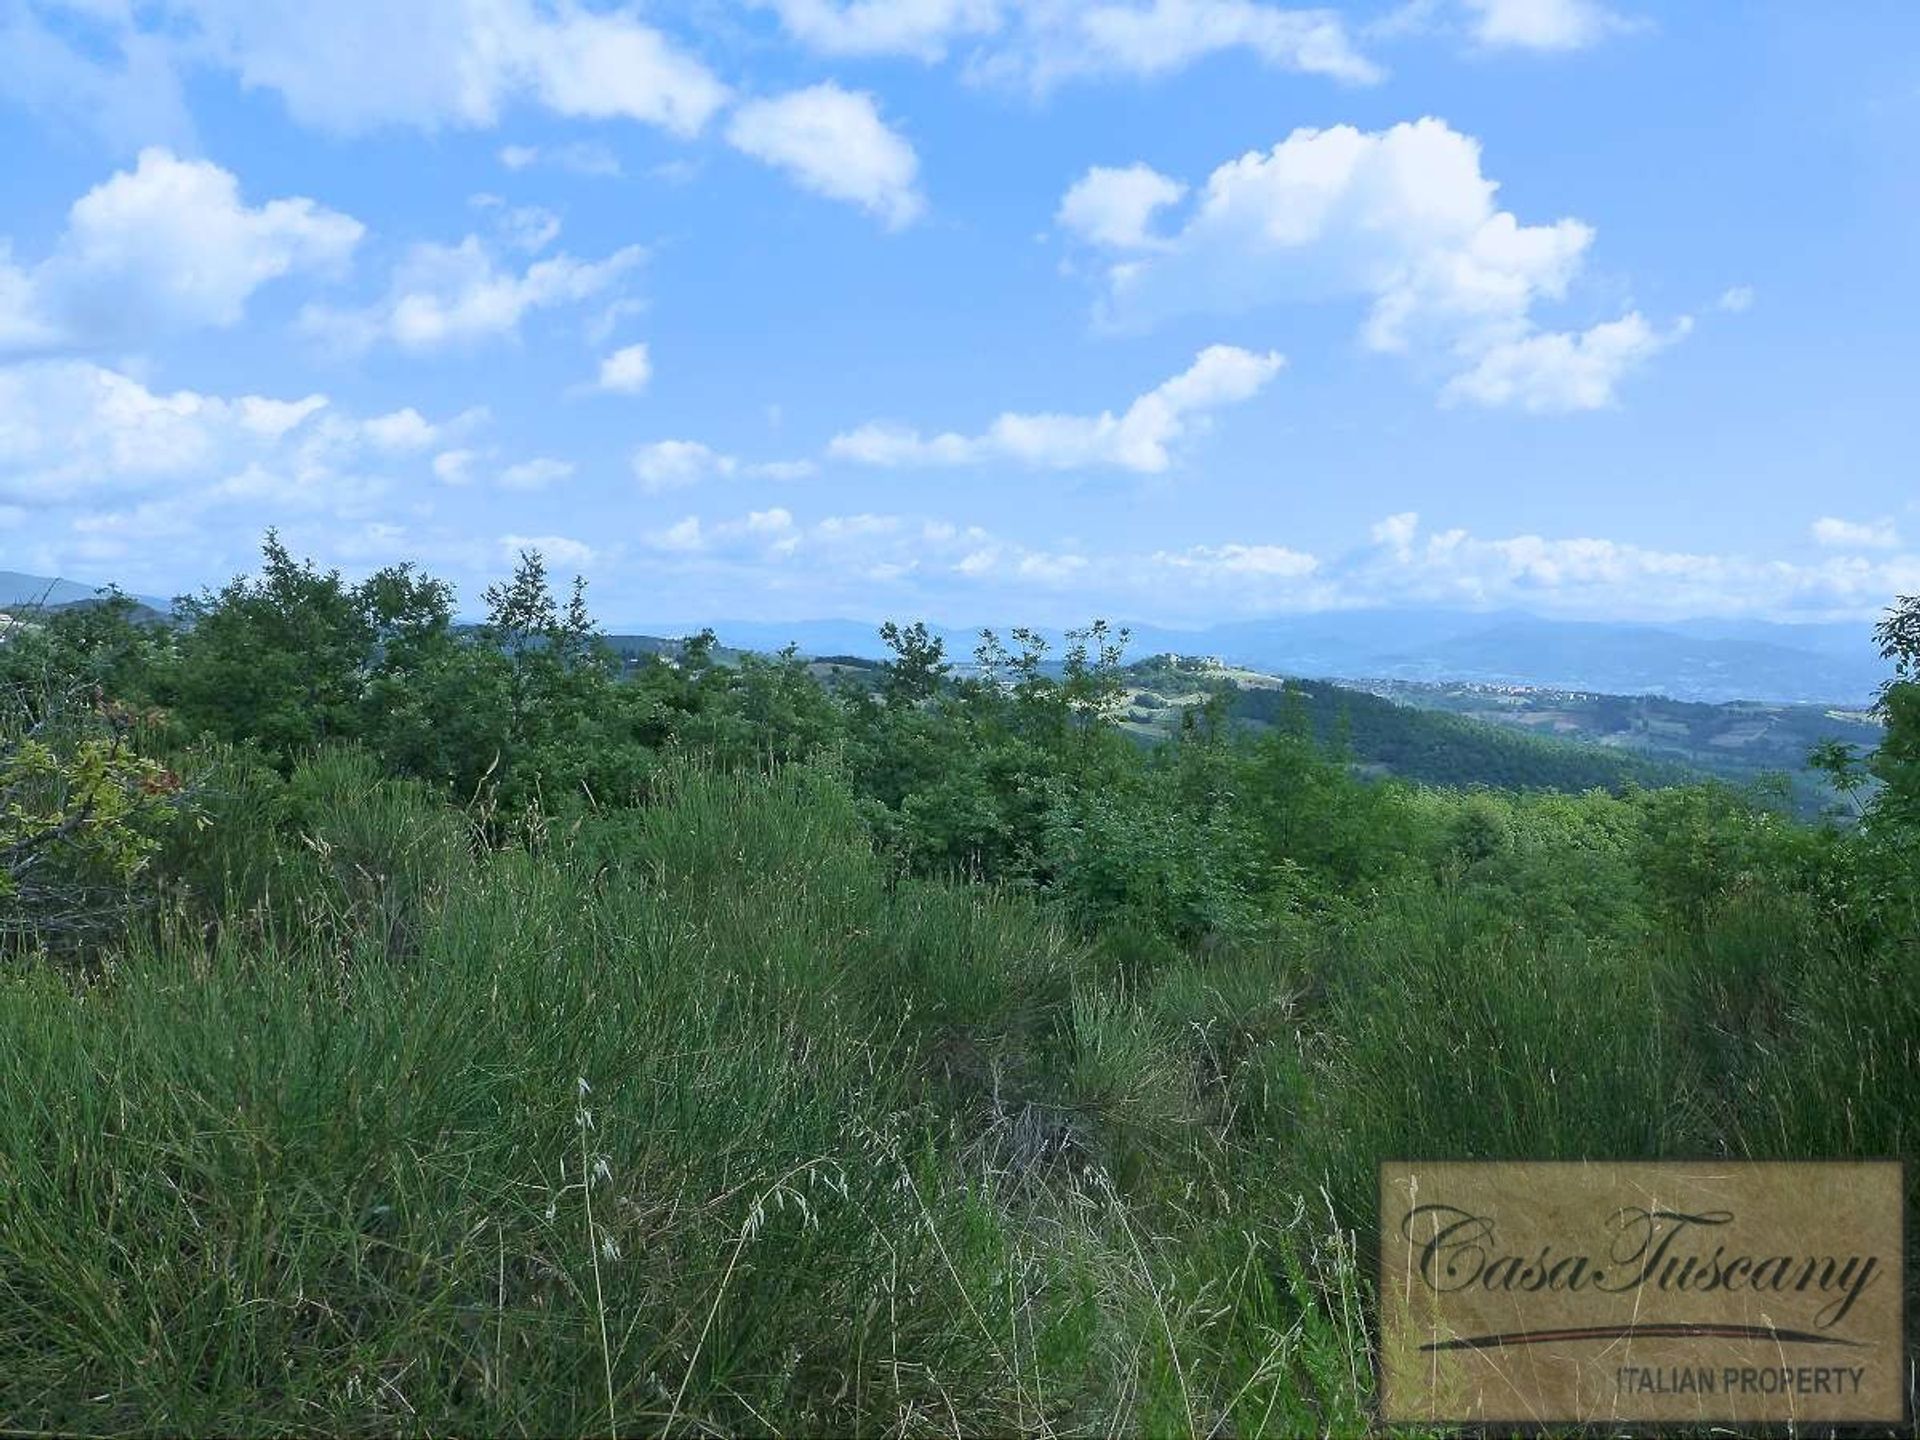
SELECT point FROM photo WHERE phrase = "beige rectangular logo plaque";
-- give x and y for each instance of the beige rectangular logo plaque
(1690, 1292)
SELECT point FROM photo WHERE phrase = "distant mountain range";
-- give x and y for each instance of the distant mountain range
(1711, 661)
(17, 589)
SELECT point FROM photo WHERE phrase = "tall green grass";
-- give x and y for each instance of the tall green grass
(692, 1119)
(699, 1118)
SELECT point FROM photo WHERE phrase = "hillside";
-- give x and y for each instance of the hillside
(1383, 737)
(1742, 742)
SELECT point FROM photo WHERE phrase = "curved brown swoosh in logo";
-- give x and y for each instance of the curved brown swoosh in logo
(1639, 1332)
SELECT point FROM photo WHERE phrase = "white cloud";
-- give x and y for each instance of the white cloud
(356, 65)
(1165, 35)
(920, 28)
(1541, 24)
(536, 474)
(580, 157)
(404, 429)
(1242, 560)
(454, 467)
(769, 522)
(135, 466)
(1396, 532)
(675, 464)
(1041, 43)
(1856, 535)
(92, 73)
(556, 549)
(1059, 40)
(529, 228)
(70, 429)
(1140, 439)
(1592, 576)
(833, 142)
(1115, 207)
(1736, 299)
(683, 535)
(169, 245)
(1402, 219)
(664, 465)
(1556, 373)
(447, 295)
(935, 566)
(627, 370)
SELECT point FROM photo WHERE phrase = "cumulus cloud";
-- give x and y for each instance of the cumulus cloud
(536, 474)
(923, 29)
(132, 466)
(1162, 36)
(627, 370)
(435, 63)
(169, 245)
(454, 467)
(70, 429)
(1116, 207)
(91, 72)
(404, 429)
(1038, 44)
(1403, 220)
(1541, 24)
(663, 465)
(1736, 299)
(684, 535)
(451, 295)
(579, 157)
(1140, 439)
(834, 142)
(1856, 535)
(1241, 560)
(1556, 373)
(530, 228)
(557, 549)
(1595, 576)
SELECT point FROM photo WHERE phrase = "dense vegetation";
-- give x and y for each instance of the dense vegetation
(417, 1028)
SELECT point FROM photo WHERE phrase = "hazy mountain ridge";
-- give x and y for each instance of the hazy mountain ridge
(19, 590)
(1708, 661)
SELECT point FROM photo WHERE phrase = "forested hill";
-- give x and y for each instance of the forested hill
(1379, 735)
(1436, 748)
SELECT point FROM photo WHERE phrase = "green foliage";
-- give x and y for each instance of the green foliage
(102, 645)
(919, 666)
(1897, 762)
(81, 815)
(522, 1039)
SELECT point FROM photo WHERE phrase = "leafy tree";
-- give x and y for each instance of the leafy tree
(1091, 680)
(284, 658)
(1840, 762)
(919, 666)
(1897, 762)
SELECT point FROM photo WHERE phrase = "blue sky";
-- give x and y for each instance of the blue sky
(984, 310)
